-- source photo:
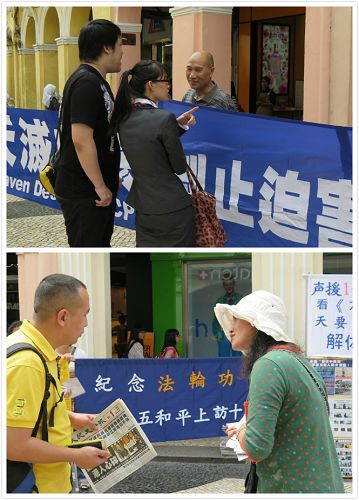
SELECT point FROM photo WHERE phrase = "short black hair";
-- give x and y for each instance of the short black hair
(96, 35)
(55, 292)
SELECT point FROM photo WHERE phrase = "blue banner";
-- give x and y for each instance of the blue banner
(171, 399)
(278, 183)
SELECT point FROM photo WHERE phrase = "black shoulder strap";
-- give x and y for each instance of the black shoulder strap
(129, 347)
(316, 383)
(49, 379)
(61, 112)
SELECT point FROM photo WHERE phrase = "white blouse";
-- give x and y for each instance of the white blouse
(136, 351)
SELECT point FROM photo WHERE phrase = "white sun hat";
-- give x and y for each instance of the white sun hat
(261, 309)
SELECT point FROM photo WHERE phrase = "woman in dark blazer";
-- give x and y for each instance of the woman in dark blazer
(150, 139)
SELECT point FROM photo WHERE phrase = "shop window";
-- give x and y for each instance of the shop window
(206, 283)
(337, 263)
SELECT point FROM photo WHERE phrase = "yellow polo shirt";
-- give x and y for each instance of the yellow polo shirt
(25, 389)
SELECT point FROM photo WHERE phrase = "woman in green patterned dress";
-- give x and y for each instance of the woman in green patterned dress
(287, 431)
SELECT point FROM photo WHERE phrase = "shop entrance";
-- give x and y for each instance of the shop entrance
(131, 299)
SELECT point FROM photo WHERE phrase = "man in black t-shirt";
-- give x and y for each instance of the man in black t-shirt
(88, 171)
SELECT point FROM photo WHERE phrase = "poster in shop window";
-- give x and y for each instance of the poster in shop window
(336, 373)
(344, 450)
(329, 316)
(337, 376)
(275, 56)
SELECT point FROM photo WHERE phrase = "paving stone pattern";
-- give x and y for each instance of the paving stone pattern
(31, 225)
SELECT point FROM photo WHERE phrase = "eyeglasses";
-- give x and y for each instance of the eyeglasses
(166, 81)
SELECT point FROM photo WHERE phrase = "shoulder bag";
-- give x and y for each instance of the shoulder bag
(20, 475)
(47, 175)
(251, 481)
(209, 229)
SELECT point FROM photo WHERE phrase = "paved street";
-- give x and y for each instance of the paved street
(180, 477)
(31, 225)
(189, 467)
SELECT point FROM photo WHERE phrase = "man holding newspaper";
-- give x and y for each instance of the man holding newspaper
(37, 464)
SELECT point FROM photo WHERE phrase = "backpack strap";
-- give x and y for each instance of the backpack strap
(49, 379)
(54, 148)
(130, 345)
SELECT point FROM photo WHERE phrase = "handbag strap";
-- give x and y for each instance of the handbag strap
(194, 182)
(316, 383)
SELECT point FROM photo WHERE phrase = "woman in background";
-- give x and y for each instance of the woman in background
(169, 349)
(135, 345)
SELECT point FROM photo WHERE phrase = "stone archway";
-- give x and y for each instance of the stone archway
(10, 72)
(79, 17)
(50, 31)
(28, 65)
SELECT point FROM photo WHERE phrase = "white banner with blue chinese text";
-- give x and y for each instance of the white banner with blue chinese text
(329, 316)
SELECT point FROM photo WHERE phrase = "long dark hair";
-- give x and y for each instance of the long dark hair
(261, 343)
(170, 338)
(142, 72)
(134, 335)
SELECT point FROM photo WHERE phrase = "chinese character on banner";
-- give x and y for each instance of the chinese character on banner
(102, 383)
(226, 378)
(196, 380)
(285, 206)
(165, 384)
(37, 145)
(336, 220)
(329, 316)
(10, 138)
(183, 415)
(136, 384)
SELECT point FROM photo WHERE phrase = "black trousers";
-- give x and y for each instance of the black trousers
(175, 229)
(86, 224)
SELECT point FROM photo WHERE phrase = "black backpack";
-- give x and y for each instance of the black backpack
(20, 476)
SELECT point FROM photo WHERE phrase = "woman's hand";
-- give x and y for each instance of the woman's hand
(187, 118)
(230, 431)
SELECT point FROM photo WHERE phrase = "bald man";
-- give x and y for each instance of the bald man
(204, 91)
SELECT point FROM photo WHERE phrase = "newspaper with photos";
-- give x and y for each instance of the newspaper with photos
(129, 446)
